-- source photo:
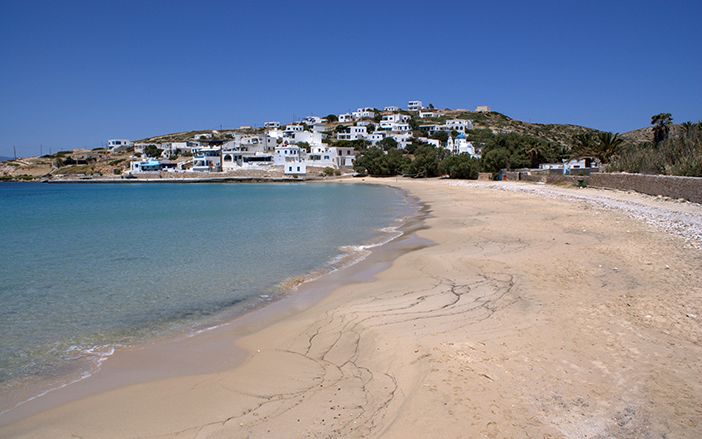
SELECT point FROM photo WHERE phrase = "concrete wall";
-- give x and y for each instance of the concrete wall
(689, 188)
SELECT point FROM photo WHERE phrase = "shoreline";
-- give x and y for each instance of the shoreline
(526, 315)
(299, 291)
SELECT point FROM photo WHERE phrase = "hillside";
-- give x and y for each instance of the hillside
(497, 123)
(80, 162)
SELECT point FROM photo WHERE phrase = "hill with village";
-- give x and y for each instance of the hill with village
(329, 145)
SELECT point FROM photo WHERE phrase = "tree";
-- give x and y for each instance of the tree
(607, 146)
(441, 136)
(331, 118)
(379, 163)
(431, 106)
(427, 159)
(661, 126)
(340, 129)
(460, 166)
(152, 151)
(387, 144)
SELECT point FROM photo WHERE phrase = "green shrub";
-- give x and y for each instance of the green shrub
(461, 166)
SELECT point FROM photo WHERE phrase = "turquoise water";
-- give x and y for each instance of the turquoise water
(86, 268)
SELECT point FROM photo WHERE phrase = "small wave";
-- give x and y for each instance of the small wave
(97, 355)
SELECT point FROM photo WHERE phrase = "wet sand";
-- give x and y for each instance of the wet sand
(525, 317)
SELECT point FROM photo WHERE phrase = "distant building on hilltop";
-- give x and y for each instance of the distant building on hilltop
(115, 145)
(482, 109)
(414, 105)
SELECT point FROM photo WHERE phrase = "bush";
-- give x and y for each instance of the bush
(460, 166)
(378, 163)
(329, 171)
(678, 155)
(427, 159)
(152, 151)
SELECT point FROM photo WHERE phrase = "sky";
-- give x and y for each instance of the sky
(76, 73)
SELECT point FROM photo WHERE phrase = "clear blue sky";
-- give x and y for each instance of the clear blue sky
(76, 73)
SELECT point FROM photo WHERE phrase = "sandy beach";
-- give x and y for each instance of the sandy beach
(532, 312)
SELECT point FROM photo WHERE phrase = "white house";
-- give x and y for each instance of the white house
(353, 133)
(414, 105)
(295, 169)
(202, 136)
(376, 137)
(286, 153)
(144, 166)
(115, 145)
(388, 120)
(460, 145)
(402, 139)
(208, 159)
(271, 124)
(364, 113)
(458, 125)
(400, 127)
(336, 156)
(428, 114)
(171, 149)
(391, 108)
(345, 117)
(294, 128)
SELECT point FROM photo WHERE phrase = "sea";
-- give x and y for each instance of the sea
(88, 268)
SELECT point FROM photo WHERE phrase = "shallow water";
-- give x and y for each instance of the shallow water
(86, 268)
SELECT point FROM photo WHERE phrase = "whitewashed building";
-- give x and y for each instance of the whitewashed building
(391, 108)
(286, 153)
(353, 133)
(458, 125)
(364, 113)
(376, 136)
(297, 168)
(115, 145)
(207, 159)
(345, 117)
(414, 106)
(428, 114)
(460, 145)
(271, 124)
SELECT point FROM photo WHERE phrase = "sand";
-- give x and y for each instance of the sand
(527, 316)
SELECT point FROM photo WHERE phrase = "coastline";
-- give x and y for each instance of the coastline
(524, 316)
(163, 356)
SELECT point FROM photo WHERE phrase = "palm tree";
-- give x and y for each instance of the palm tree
(661, 126)
(583, 144)
(607, 146)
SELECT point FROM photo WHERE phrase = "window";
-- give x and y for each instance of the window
(298, 169)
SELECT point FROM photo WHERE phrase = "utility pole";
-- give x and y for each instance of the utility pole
(14, 149)
(41, 150)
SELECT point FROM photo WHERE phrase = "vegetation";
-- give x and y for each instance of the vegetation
(331, 118)
(661, 126)
(329, 172)
(604, 146)
(152, 151)
(378, 163)
(513, 151)
(460, 166)
(425, 161)
(679, 154)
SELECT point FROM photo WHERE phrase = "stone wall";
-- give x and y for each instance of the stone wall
(689, 188)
